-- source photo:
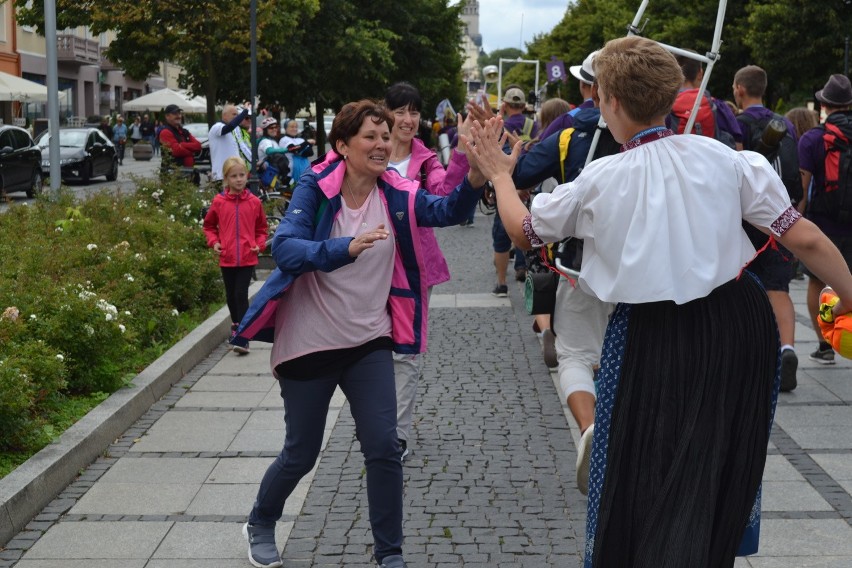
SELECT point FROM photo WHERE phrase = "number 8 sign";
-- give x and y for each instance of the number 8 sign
(555, 70)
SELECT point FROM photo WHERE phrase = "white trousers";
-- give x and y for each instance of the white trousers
(579, 322)
(407, 370)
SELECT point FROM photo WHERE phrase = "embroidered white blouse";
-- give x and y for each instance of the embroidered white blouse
(662, 220)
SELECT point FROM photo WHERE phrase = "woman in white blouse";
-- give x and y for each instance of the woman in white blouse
(689, 371)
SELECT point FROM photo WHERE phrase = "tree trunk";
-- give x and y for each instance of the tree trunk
(210, 88)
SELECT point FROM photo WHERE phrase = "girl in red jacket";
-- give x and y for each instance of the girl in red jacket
(236, 229)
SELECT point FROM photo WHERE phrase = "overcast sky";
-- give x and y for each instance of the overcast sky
(513, 23)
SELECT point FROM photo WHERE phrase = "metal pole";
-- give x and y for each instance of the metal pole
(846, 57)
(253, 181)
(52, 93)
(713, 56)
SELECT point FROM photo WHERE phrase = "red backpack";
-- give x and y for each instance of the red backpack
(705, 122)
(835, 202)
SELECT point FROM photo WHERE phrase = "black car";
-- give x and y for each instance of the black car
(84, 153)
(201, 132)
(20, 162)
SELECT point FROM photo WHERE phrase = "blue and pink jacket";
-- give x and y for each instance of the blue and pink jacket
(439, 182)
(302, 244)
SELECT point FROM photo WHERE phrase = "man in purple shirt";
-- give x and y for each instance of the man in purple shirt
(517, 123)
(514, 119)
(774, 267)
(585, 74)
(836, 100)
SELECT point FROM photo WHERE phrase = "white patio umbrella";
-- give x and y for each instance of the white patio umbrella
(161, 99)
(14, 88)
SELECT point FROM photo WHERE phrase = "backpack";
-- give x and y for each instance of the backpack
(705, 122)
(835, 201)
(582, 134)
(526, 131)
(574, 146)
(784, 159)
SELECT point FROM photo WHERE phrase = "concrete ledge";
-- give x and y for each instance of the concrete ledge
(36, 482)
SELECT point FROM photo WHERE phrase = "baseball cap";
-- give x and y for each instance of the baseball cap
(514, 96)
(172, 109)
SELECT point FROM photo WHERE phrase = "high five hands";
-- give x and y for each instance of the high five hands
(365, 241)
(484, 147)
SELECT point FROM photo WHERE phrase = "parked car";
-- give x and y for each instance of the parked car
(20, 162)
(201, 131)
(84, 153)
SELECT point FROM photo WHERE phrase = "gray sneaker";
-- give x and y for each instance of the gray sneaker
(393, 561)
(823, 356)
(262, 551)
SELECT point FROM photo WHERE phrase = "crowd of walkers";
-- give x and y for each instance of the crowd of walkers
(671, 328)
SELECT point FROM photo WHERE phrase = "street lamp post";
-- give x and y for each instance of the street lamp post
(253, 180)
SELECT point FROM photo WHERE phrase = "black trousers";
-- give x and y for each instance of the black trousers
(237, 280)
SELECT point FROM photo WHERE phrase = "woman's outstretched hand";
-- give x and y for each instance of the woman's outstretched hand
(484, 148)
(365, 241)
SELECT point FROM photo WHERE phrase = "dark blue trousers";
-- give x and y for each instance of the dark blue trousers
(369, 387)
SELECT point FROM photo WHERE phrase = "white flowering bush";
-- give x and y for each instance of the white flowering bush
(89, 293)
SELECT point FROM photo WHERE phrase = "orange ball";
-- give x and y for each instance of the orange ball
(837, 331)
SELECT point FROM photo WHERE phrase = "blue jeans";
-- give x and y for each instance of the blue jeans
(369, 387)
(502, 243)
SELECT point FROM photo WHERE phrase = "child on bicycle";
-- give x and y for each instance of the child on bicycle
(236, 229)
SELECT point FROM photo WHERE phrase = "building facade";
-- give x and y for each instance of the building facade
(90, 83)
(471, 45)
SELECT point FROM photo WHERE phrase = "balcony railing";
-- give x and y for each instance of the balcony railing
(73, 49)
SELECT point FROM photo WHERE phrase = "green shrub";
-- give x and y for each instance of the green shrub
(100, 288)
(30, 373)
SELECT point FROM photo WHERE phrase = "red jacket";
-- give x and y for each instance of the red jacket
(238, 223)
(183, 150)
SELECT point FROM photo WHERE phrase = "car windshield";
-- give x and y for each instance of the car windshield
(198, 129)
(67, 139)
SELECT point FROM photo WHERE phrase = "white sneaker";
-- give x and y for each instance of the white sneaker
(584, 458)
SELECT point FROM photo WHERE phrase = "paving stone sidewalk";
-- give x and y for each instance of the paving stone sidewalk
(490, 480)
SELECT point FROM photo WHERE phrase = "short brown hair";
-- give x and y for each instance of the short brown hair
(644, 77)
(689, 66)
(348, 121)
(753, 80)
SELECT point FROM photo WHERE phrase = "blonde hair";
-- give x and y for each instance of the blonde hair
(231, 163)
(644, 77)
(803, 119)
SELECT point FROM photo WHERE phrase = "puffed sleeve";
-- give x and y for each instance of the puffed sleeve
(554, 216)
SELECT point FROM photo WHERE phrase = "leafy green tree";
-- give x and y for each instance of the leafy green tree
(352, 49)
(799, 43)
(205, 37)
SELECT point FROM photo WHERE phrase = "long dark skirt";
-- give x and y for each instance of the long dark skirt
(686, 399)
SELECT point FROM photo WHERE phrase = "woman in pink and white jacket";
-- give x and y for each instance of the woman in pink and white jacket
(413, 160)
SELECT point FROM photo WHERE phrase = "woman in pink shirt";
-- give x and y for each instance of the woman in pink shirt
(350, 288)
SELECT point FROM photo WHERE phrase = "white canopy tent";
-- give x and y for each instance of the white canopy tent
(163, 98)
(14, 88)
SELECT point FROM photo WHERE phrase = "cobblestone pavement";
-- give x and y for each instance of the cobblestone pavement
(490, 480)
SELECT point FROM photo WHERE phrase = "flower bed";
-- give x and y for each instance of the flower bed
(90, 293)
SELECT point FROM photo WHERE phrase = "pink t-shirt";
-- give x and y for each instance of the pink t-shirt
(343, 308)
